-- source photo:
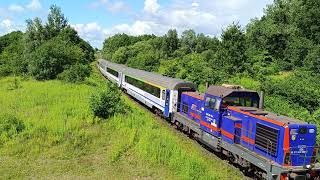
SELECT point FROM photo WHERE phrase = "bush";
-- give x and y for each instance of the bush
(106, 102)
(10, 126)
(76, 73)
(300, 87)
(14, 84)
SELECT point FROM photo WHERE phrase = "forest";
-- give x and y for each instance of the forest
(278, 53)
(46, 50)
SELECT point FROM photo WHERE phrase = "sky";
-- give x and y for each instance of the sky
(96, 20)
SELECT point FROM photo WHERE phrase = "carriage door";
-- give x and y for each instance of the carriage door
(120, 79)
(167, 103)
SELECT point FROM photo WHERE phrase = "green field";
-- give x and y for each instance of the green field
(48, 131)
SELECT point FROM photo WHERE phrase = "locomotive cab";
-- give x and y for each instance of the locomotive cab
(216, 101)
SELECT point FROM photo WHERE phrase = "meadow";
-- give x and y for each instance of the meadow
(47, 131)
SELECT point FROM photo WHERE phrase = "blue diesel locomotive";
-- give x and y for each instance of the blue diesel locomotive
(228, 119)
(273, 142)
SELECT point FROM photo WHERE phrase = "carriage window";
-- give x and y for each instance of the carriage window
(185, 108)
(163, 94)
(113, 72)
(212, 103)
(155, 91)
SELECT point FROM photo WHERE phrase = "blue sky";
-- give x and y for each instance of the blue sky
(97, 19)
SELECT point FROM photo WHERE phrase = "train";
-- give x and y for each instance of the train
(228, 119)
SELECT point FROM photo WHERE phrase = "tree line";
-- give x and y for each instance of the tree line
(278, 53)
(46, 51)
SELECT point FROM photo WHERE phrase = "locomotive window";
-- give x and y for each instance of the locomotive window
(185, 108)
(155, 91)
(113, 72)
(240, 101)
(212, 103)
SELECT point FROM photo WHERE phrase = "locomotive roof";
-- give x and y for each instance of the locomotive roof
(258, 112)
(154, 78)
(221, 91)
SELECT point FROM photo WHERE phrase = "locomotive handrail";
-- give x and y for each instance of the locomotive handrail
(304, 155)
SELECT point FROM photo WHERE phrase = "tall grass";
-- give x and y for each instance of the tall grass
(61, 138)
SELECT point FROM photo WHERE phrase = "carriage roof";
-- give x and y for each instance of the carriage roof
(154, 78)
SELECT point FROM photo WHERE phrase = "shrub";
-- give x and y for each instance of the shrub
(14, 84)
(300, 87)
(76, 73)
(10, 126)
(106, 102)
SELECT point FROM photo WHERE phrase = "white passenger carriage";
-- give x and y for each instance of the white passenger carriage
(155, 91)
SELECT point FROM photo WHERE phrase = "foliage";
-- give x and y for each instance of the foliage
(45, 50)
(171, 42)
(75, 73)
(232, 55)
(301, 88)
(312, 61)
(10, 126)
(106, 102)
(15, 83)
(11, 54)
(52, 57)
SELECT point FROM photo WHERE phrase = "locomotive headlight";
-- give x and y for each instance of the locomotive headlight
(293, 137)
(311, 131)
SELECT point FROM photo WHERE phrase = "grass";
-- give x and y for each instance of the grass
(60, 139)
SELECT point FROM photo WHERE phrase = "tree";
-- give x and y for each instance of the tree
(71, 35)
(202, 43)
(171, 42)
(188, 40)
(233, 47)
(35, 35)
(306, 16)
(75, 73)
(112, 44)
(143, 56)
(121, 55)
(312, 61)
(11, 54)
(53, 48)
(56, 22)
(51, 58)
(10, 38)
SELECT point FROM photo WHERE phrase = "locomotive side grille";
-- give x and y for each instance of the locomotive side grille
(267, 138)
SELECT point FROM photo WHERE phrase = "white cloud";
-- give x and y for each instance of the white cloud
(195, 4)
(95, 34)
(137, 28)
(204, 16)
(34, 5)
(7, 25)
(117, 7)
(112, 6)
(151, 6)
(91, 32)
(15, 8)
